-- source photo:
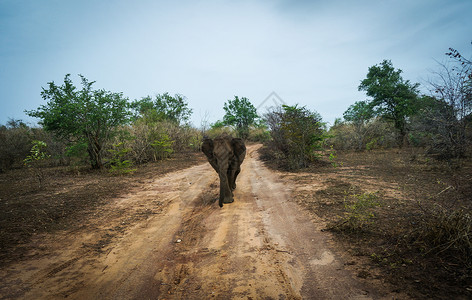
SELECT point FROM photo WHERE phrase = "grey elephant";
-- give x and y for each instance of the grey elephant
(225, 155)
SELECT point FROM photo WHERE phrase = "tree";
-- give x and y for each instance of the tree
(393, 98)
(82, 116)
(241, 114)
(359, 112)
(455, 84)
(447, 118)
(163, 107)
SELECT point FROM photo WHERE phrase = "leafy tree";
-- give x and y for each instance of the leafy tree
(217, 124)
(240, 113)
(82, 116)
(14, 123)
(359, 112)
(393, 98)
(163, 107)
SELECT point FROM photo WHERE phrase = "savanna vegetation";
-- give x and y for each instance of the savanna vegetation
(415, 147)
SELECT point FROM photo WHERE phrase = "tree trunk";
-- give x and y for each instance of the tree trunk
(95, 152)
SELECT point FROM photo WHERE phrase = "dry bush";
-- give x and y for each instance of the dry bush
(297, 135)
(185, 138)
(155, 141)
(258, 134)
(440, 132)
(144, 141)
(376, 134)
(443, 231)
(15, 145)
(218, 131)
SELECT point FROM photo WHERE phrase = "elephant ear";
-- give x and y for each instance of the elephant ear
(207, 148)
(239, 148)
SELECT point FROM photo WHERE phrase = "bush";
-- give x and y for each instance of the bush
(259, 134)
(185, 137)
(437, 129)
(146, 142)
(443, 231)
(358, 212)
(218, 129)
(15, 144)
(153, 141)
(375, 134)
(34, 160)
(118, 163)
(297, 134)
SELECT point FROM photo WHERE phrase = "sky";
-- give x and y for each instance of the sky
(311, 53)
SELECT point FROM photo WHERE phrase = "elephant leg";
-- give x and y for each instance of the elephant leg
(238, 170)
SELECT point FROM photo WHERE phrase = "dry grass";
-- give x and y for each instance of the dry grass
(67, 197)
(408, 214)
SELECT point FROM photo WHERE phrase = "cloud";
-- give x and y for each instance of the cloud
(310, 52)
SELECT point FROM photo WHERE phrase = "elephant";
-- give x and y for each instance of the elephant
(225, 154)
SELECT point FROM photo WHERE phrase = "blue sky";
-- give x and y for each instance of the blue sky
(314, 53)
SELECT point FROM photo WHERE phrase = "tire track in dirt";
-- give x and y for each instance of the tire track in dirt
(262, 246)
(79, 266)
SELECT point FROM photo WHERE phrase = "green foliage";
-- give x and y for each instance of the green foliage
(218, 124)
(36, 154)
(162, 107)
(162, 147)
(358, 212)
(333, 156)
(33, 161)
(359, 113)
(118, 163)
(393, 98)
(77, 150)
(155, 141)
(371, 145)
(297, 133)
(240, 113)
(85, 116)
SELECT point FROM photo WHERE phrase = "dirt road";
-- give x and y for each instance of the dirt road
(174, 242)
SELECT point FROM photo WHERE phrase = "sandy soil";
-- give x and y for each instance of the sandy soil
(176, 243)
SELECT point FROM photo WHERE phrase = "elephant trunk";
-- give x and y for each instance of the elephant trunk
(225, 191)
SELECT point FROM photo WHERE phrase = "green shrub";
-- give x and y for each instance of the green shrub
(359, 212)
(162, 147)
(118, 163)
(35, 158)
(297, 133)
